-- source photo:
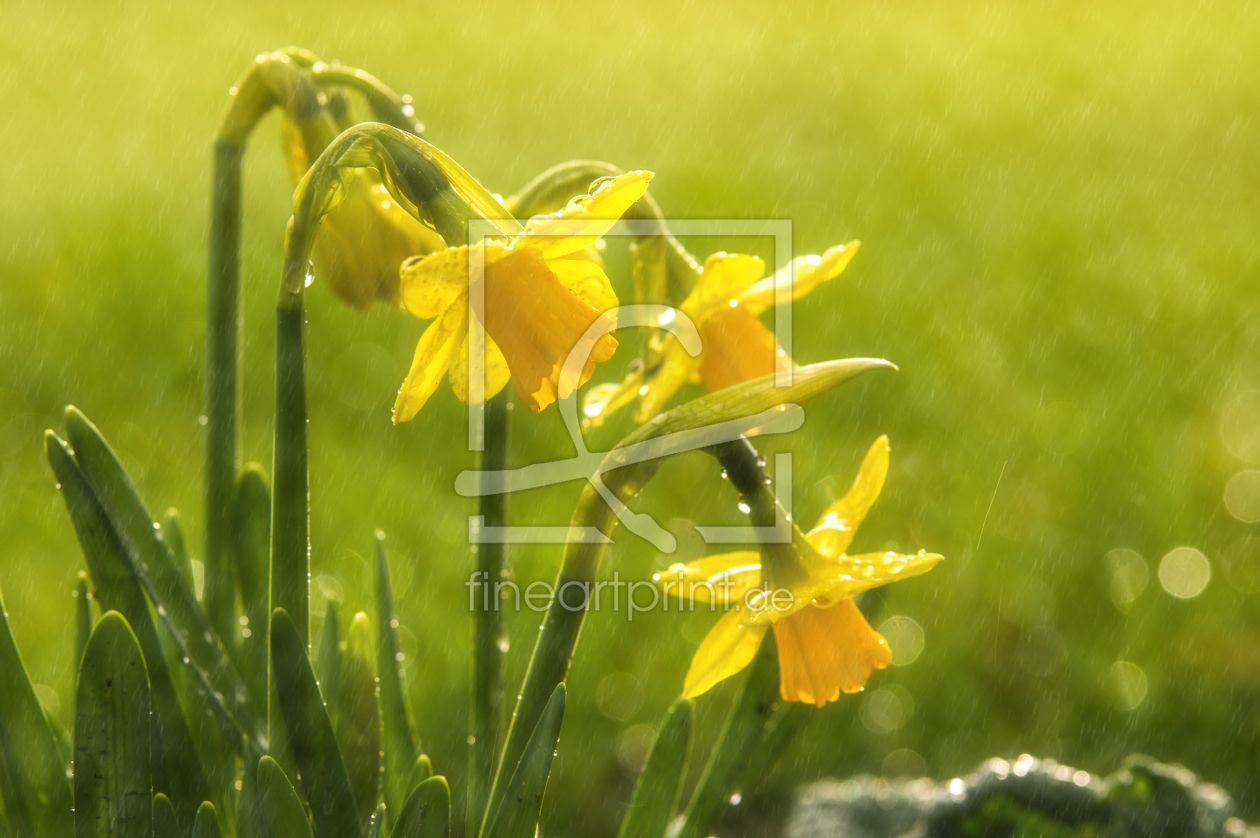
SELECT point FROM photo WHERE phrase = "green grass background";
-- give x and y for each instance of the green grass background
(1058, 204)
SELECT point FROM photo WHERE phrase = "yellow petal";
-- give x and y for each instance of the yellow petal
(433, 356)
(429, 284)
(826, 651)
(586, 218)
(727, 649)
(835, 529)
(587, 280)
(804, 275)
(496, 371)
(722, 579)
(674, 369)
(851, 575)
(601, 400)
(724, 277)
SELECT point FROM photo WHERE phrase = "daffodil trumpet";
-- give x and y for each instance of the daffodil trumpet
(803, 590)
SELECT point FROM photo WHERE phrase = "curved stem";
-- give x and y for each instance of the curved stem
(223, 386)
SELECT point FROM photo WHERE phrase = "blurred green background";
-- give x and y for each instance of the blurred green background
(1059, 210)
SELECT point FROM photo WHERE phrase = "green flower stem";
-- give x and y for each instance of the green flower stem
(387, 106)
(223, 387)
(290, 514)
(489, 637)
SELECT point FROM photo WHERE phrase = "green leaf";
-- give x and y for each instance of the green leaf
(173, 535)
(427, 813)
(376, 826)
(518, 809)
(744, 731)
(251, 534)
(113, 781)
(421, 771)
(177, 769)
(400, 742)
(151, 560)
(311, 737)
(164, 823)
(207, 823)
(328, 661)
(660, 784)
(282, 812)
(82, 619)
(358, 722)
(33, 784)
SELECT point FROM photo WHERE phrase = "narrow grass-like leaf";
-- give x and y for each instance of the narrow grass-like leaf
(517, 814)
(207, 823)
(400, 745)
(82, 619)
(358, 722)
(376, 827)
(173, 535)
(152, 562)
(251, 541)
(164, 823)
(421, 771)
(61, 738)
(328, 660)
(660, 784)
(744, 730)
(33, 784)
(113, 781)
(427, 813)
(311, 737)
(282, 812)
(177, 769)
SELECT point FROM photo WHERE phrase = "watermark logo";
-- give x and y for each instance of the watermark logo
(590, 465)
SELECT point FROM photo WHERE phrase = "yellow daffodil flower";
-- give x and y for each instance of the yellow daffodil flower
(542, 293)
(825, 644)
(367, 235)
(725, 307)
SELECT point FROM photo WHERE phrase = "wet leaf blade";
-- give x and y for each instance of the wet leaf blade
(427, 813)
(251, 534)
(311, 737)
(33, 785)
(282, 812)
(206, 824)
(358, 722)
(151, 561)
(399, 740)
(113, 780)
(660, 785)
(176, 765)
(164, 823)
(519, 807)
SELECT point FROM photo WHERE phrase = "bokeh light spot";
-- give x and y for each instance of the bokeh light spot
(1128, 684)
(1185, 572)
(1242, 496)
(905, 639)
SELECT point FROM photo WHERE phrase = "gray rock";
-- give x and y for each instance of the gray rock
(1027, 797)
